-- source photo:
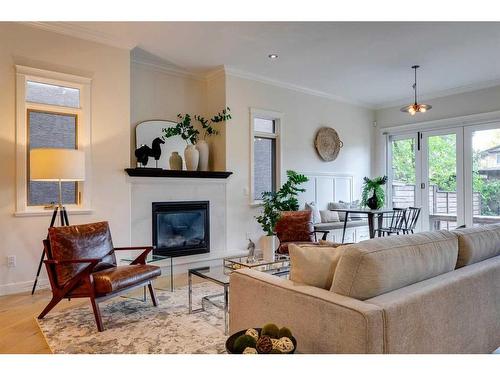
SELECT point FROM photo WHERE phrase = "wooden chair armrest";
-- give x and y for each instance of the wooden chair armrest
(74, 261)
(325, 234)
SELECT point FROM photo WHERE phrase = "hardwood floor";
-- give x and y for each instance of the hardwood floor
(19, 333)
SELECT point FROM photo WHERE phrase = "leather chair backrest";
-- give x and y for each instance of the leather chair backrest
(295, 226)
(80, 242)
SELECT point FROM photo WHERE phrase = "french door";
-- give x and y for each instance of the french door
(452, 174)
(426, 170)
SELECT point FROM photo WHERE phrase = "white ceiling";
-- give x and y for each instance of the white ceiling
(367, 63)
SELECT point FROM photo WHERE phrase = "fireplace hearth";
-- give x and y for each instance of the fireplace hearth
(181, 228)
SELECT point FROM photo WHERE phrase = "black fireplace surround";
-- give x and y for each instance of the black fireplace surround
(181, 228)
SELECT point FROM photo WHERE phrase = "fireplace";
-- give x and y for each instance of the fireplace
(181, 228)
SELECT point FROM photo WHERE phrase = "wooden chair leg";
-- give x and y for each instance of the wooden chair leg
(97, 314)
(153, 294)
(53, 302)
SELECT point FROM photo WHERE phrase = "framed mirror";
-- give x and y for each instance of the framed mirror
(146, 131)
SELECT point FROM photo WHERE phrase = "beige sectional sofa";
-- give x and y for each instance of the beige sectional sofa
(431, 292)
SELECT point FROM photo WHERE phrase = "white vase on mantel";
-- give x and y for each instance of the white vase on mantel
(268, 247)
(191, 156)
(204, 151)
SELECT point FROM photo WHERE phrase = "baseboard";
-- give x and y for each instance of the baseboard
(23, 286)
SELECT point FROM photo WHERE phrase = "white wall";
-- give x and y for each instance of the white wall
(464, 104)
(109, 69)
(304, 114)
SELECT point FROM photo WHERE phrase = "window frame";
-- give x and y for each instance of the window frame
(83, 117)
(277, 117)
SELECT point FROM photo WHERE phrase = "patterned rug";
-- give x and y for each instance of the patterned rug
(132, 326)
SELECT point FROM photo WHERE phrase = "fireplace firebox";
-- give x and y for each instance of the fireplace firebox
(181, 228)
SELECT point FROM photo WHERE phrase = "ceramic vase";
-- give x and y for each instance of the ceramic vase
(268, 247)
(191, 156)
(175, 161)
(202, 147)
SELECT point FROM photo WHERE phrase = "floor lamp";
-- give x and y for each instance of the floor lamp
(59, 165)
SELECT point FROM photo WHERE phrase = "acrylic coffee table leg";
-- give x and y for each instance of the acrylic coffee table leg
(190, 292)
(226, 309)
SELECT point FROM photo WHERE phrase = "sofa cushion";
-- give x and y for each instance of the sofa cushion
(316, 217)
(328, 216)
(295, 226)
(314, 265)
(340, 225)
(477, 243)
(370, 268)
(339, 205)
(117, 278)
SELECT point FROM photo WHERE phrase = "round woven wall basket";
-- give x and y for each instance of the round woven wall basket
(328, 144)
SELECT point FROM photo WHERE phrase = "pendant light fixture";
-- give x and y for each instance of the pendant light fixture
(415, 107)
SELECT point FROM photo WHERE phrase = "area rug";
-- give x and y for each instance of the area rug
(133, 326)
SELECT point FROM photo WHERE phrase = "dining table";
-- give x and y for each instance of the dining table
(370, 216)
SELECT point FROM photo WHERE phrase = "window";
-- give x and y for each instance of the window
(498, 158)
(265, 146)
(53, 111)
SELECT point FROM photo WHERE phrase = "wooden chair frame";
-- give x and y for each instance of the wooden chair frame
(60, 292)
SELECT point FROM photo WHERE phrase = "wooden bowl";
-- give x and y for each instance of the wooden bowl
(231, 339)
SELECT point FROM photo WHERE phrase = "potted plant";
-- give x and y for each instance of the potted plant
(185, 129)
(375, 189)
(208, 131)
(273, 203)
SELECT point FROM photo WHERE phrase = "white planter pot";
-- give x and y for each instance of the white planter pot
(268, 247)
(191, 156)
(202, 147)
(175, 161)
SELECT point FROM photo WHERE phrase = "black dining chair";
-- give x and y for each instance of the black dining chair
(397, 223)
(411, 219)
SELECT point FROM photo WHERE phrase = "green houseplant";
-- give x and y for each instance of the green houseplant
(196, 153)
(273, 203)
(373, 187)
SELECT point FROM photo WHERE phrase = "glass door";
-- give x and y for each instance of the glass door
(482, 169)
(441, 185)
(402, 190)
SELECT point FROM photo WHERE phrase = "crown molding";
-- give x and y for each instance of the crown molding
(70, 29)
(168, 69)
(441, 93)
(290, 86)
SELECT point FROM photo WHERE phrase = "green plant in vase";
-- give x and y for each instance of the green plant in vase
(184, 128)
(284, 199)
(209, 129)
(373, 194)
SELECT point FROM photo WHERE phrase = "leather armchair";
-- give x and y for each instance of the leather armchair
(81, 263)
(296, 227)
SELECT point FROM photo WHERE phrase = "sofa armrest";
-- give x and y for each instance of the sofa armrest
(321, 321)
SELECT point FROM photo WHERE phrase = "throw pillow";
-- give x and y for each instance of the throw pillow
(354, 205)
(314, 265)
(328, 216)
(316, 218)
(334, 205)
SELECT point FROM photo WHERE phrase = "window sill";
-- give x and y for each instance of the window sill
(71, 211)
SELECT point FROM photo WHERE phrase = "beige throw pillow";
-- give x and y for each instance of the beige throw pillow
(328, 216)
(314, 265)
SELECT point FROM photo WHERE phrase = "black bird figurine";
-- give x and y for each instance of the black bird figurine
(144, 152)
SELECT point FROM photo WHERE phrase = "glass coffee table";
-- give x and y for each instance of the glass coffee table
(152, 258)
(220, 275)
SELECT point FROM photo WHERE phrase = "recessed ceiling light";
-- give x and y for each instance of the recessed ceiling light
(273, 56)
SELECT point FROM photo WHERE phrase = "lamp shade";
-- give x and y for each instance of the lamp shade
(57, 164)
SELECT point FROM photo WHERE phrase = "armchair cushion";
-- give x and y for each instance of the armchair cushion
(113, 279)
(80, 242)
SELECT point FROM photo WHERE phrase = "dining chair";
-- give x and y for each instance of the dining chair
(398, 220)
(411, 219)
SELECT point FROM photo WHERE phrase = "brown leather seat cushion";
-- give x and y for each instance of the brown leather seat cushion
(117, 278)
